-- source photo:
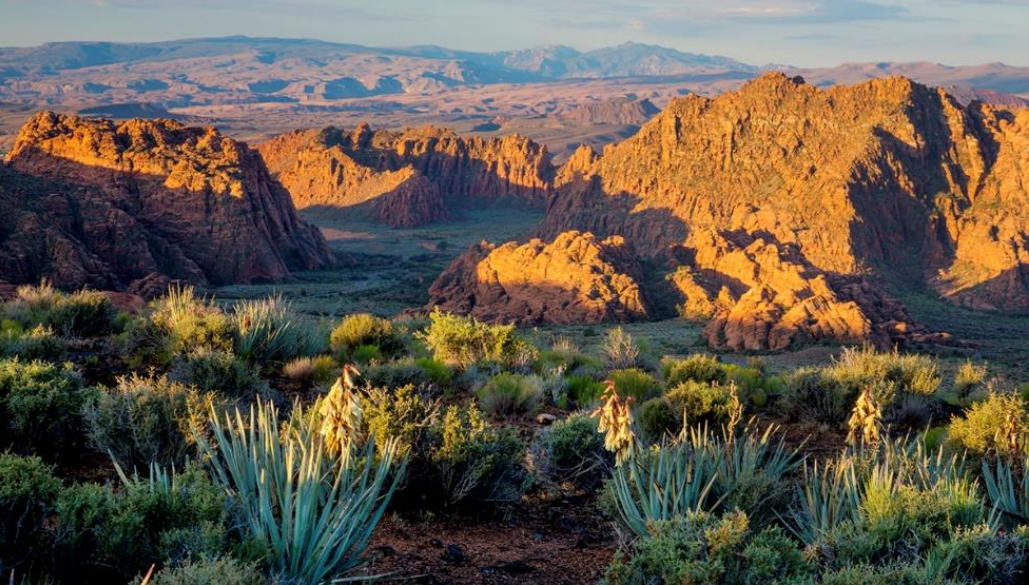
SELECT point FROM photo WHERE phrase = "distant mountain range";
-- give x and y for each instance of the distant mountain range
(256, 87)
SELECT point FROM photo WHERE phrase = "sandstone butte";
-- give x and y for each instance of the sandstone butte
(779, 213)
(406, 178)
(135, 205)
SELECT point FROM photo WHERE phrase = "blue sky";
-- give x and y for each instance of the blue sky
(796, 32)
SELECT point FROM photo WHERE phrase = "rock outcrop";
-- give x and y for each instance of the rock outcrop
(577, 278)
(432, 167)
(780, 212)
(135, 205)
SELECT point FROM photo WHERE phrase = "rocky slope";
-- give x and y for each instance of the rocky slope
(577, 278)
(136, 204)
(407, 178)
(779, 211)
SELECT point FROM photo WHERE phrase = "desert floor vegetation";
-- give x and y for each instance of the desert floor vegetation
(255, 442)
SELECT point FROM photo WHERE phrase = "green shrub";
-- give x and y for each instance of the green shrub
(583, 389)
(969, 378)
(635, 383)
(571, 451)
(221, 570)
(656, 419)
(424, 373)
(162, 518)
(982, 429)
(890, 374)
(365, 329)
(219, 372)
(144, 420)
(701, 548)
(270, 331)
(697, 368)
(808, 394)
(463, 341)
(40, 406)
(436, 372)
(85, 313)
(39, 343)
(145, 344)
(697, 403)
(28, 490)
(320, 370)
(473, 462)
(402, 415)
(510, 393)
(366, 354)
(192, 323)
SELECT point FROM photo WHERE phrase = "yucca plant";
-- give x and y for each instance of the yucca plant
(314, 513)
(1007, 486)
(663, 483)
(268, 330)
(829, 496)
(752, 464)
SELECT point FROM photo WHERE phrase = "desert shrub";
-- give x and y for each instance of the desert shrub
(808, 394)
(403, 415)
(969, 380)
(620, 349)
(192, 323)
(219, 372)
(472, 461)
(424, 373)
(269, 330)
(890, 374)
(463, 341)
(161, 518)
(40, 406)
(984, 427)
(983, 555)
(145, 344)
(366, 354)
(144, 420)
(571, 451)
(510, 393)
(697, 367)
(656, 419)
(38, 343)
(700, 403)
(311, 370)
(636, 383)
(28, 490)
(85, 313)
(365, 329)
(223, 570)
(564, 356)
(583, 389)
(702, 548)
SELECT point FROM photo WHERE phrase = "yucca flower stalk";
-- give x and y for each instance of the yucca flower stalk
(615, 422)
(341, 412)
(865, 424)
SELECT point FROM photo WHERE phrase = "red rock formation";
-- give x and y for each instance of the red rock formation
(137, 204)
(577, 278)
(777, 210)
(332, 168)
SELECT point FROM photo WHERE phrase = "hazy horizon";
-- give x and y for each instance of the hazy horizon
(802, 33)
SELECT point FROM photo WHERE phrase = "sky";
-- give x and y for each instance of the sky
(803, 33)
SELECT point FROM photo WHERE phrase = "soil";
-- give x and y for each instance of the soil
(563, 542)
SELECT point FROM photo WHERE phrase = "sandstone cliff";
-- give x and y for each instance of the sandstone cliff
(577, 278)
(779, 211)
(132, 205)
(335, 169)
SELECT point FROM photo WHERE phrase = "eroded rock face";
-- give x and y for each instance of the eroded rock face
(780, 211)
(577, 278)
(335, 169)
(136, 205)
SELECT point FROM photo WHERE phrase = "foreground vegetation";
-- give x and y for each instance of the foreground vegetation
(228, 444)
